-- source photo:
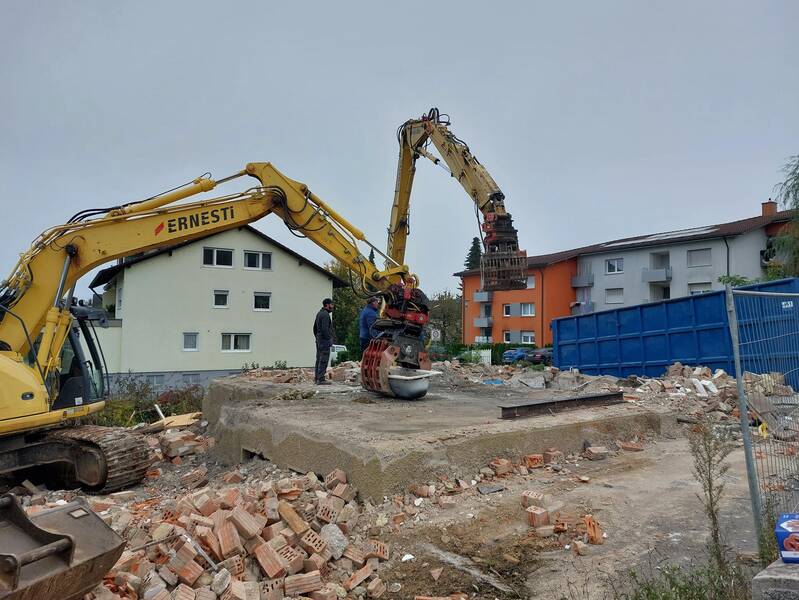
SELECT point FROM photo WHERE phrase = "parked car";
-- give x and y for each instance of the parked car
(335, 350)
(515, 355)
(540, 356)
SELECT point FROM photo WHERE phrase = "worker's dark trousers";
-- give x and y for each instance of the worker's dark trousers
(365, 343)
(322, 358)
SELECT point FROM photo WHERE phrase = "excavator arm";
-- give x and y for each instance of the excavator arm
(503, 264)
(35, 301)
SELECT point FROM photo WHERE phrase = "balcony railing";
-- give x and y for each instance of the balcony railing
(656, 275)
(483, 321)
(482, 339)
(584, 280)
(482, 296)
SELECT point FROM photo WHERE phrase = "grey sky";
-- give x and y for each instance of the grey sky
(598, 120)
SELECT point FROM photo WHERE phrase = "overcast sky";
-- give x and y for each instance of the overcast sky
(598, 120)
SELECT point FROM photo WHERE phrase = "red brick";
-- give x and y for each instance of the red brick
(312, 543)
(375, 549)
(344, 491)
(208, 507)
(246, 525)
(190, 572)
(290, 516)
(533, 461)
(292, 558)
(229, 541)
(531, 498)
(230, 498)
(209, 542)
(269, 561)
(537, 516)
(326, 514)
(501, 466)
(355, 555)
(334, 478)
(357, 578)
(326, 593)
(272, 589)
(316, 562)
(631, 446)
(302, 584)
(183, 592)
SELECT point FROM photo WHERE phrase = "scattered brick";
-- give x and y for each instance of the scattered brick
(357, 578)
(301, 584)
(533, 461)
(537, 516)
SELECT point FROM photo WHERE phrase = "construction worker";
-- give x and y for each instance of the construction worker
(323, 332)
(366, 320)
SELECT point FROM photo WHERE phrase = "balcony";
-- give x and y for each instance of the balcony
(582, 308)
(583, 280)
(662, 275)
(483, 321)
(482, 339)
(482, 296)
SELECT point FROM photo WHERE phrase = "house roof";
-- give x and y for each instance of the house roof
(107, 274)
(731, 229)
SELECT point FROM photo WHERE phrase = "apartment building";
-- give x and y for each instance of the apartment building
(186, 314)
(675, 263)
(519, 316)
(619, 273)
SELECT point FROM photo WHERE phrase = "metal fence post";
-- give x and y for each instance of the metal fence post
(751, 472)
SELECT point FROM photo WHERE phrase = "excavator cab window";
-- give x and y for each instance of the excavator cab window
(82, 380)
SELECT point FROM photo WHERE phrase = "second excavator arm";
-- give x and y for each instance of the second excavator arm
(503, 265)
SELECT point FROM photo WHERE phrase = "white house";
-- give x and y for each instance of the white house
(186, 314)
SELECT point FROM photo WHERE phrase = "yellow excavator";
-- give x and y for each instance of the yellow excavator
(52, 369)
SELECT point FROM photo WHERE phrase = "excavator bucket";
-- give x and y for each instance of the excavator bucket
(59, 553)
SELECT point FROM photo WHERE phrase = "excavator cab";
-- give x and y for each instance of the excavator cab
(82, 378)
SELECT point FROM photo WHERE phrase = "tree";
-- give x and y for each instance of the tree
(445, 315)
(372, 255)
(474, 255)
(787, 243)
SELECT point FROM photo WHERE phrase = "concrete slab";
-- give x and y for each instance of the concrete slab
(778, 581)
(385, 444)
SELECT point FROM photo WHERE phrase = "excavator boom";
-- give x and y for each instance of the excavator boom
(503, 265)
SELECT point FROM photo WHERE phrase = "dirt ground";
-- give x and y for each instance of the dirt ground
(645, 501)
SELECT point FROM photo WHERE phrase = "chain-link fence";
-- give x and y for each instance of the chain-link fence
(764, 327)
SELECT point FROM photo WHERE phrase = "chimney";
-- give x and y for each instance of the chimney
(768, 208)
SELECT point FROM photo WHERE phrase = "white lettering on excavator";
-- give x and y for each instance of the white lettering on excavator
(205, 217)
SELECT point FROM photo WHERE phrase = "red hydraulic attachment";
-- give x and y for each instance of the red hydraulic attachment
(378, 352)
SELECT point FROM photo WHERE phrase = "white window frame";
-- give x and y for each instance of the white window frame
(506, 310)
(532, 309)
(709, 288)
(156, 381)
(260, 254)
(621, 301)
(506, 337)
(196, 335)
(262, 294)
(615, 262)
(531, 282)
(215, 265)
(709, 262)
(530, 335)
(221, 292)
(233, 342)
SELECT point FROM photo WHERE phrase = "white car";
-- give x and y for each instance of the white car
(335, 349)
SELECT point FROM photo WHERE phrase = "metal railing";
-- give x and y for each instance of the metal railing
(764, 328)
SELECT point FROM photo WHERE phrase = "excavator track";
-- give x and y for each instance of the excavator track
(126, 454)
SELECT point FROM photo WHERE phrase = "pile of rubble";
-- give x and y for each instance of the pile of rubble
(345, 372)
(266, 539)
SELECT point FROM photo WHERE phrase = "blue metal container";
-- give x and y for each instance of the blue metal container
(647, 338)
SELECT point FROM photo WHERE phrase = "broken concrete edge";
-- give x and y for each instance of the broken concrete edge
(239, 434)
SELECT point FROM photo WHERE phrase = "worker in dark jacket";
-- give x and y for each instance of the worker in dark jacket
(366, 320)
(323, 332)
